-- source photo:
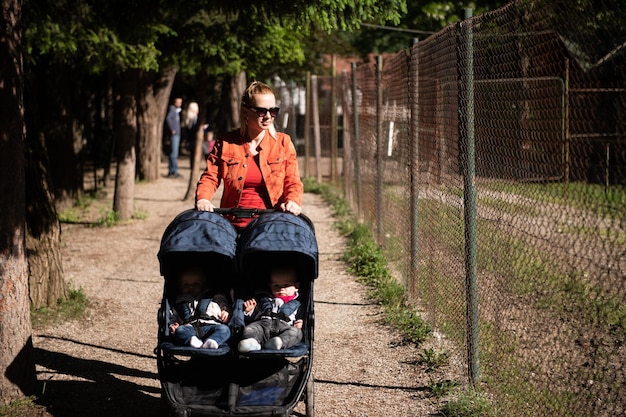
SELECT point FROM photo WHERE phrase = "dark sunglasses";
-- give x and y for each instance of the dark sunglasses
(262, 111)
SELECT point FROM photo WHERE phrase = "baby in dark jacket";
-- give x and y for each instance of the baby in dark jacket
(199, 314)
(274, 324)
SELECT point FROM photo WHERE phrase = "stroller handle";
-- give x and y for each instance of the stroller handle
(242, 213)
(246, 213)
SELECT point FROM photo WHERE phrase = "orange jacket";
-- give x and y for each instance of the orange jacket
(229, 159)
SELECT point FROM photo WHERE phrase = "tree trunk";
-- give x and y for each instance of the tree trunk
(148, 149)
(64, 137)
(152, 100)
(196, 152)
(16, 356)
(162, 98)
(108, 131)
(46, 281)
(126, 120)
(237, 88)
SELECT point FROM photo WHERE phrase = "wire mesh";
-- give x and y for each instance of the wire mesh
(542, 106)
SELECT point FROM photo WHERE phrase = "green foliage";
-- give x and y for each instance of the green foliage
(468, 404)
(367, 261)
(413, 328)
(216, 37)
(427, 17)
(433, 359)
(94, 210)
(347, 14)
(442, 387)
(71, 309)
(24, 407)
(365, 257)
(96, 36)
(140, 215)
(109, 218)
(79, 211)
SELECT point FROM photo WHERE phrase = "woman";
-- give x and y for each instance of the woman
(257, 164)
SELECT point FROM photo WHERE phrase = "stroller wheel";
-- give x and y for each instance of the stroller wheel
(310, 397)
(165, 410)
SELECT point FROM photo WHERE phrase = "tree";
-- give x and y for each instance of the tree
(423, 17)
(16, 360)
(120, 37)
(46, 282)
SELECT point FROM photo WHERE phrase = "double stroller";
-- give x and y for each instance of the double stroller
(223, 381)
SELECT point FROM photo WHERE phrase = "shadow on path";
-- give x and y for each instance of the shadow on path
(101, 389)
(362, 385)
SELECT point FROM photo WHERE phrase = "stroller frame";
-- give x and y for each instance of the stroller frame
(224, 382)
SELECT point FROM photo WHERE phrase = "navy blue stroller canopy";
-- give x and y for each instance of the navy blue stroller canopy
(279, 238)
(198, 238)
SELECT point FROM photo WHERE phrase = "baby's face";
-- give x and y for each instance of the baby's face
(191, 283)
(283, 283)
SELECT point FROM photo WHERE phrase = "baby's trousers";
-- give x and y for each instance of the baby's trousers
(218, 332)
(266, 328)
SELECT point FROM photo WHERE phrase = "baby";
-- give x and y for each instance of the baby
(199, 314)
(274, 324)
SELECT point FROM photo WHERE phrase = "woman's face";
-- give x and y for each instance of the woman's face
(258, 123)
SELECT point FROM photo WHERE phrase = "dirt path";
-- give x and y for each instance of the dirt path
(105, 366)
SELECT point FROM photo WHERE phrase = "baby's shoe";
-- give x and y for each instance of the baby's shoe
(248, 345)
(210, 344)
(195, 342)
(275, 343)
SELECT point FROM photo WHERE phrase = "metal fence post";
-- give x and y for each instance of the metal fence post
(466, 129)
(380, 150)
(307, 125)
(315, 115)
(334, 127)
(356, 140)
(414, 144)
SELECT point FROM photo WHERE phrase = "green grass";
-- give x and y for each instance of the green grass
(366, 260)
(522, 271)
(442, 387)
(467, 404)
(95, 210)
(525, 272)
(530, 272)
(503, 206)
(595, 198)
(71, 309)
(433, 359)
(24, 407)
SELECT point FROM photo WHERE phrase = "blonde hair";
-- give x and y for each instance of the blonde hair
(254, 88)
(191, 115)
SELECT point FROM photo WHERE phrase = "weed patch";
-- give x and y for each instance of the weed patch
(72, 308)
(366, 260)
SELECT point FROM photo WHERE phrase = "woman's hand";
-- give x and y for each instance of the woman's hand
(173, 327)
(291, 207)
(204, 205)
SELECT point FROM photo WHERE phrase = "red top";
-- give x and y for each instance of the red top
(252, 193)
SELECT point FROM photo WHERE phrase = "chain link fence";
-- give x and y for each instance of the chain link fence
(490, 161)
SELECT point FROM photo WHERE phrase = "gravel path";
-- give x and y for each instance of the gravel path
(104, 365)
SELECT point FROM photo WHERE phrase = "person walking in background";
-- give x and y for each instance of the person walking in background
(258, 165)
(172, 120)
(190, 125)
